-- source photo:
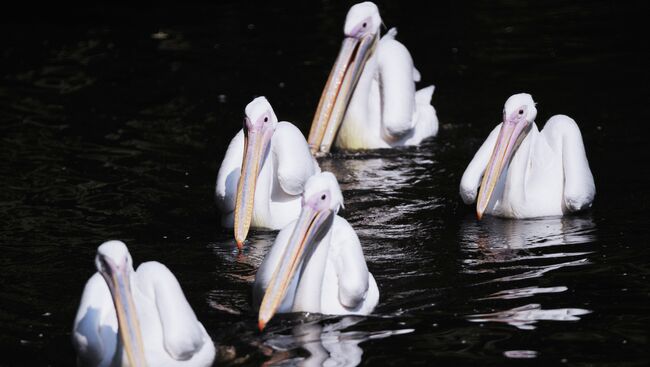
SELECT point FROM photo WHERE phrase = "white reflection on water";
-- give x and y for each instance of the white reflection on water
(327, 344)
(387, 173)
(525, 316)
(518, 253)
(524, 292)
(520, 354)
(495, 245)
(500, 239)
(385, 194)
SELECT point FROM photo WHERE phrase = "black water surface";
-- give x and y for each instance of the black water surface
(114, 120)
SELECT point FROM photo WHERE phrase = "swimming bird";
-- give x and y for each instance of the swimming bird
(316, 263)
(523, 172)
(369, 100)
(137, 318)
(263, 173)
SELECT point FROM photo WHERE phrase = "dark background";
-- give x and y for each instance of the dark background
(114, 119)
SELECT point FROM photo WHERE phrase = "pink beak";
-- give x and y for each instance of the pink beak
(513, 131)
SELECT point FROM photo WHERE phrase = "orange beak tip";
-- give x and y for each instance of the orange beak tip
(240, 245)
(261, 325)
(479, 215)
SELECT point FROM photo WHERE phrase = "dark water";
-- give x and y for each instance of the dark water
(114, 121)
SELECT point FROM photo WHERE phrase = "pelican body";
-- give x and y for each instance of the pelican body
(369, 100)
(137, 318)
(263, 173)
(524, 172)
(316, 263)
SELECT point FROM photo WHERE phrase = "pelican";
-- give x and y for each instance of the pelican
(369, 100)
(527, 173)
(316, 263)
(136, 318)
(263, 173)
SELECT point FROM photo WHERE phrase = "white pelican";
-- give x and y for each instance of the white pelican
(263, 173)
(137, 318)
(316, 263)
(369, 98)
(529, 173)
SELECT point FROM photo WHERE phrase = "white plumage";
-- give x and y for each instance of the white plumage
(283, 166)
(330, 274)
(534, 173)
(385, 110)
(158, 322)
(370, 100)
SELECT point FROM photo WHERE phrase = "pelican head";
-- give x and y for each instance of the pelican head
(519, 114)
(320, 203)
(259, 125)
(361, 32)
(362, 18)
(114, 263)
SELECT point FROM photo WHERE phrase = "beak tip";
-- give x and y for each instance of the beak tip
(479, 214)
(261, 325)
(240, 244)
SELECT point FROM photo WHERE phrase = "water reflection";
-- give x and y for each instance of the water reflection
(326, 344)
(393, 202)
(385, 170)
(517, 253)
(386, 194)
(235, 270)
(525, 317)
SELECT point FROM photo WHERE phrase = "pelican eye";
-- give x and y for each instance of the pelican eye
(323, 197)
(266, 119)
(364, 25)
(521, 112)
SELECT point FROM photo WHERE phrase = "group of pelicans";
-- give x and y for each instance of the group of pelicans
(270, 179)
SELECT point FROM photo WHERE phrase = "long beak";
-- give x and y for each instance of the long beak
(127, 317)
(510, 136)
(310, 229)
(338, 90)
(256, 144)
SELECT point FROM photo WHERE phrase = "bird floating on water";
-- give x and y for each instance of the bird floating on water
(137, 318)
(369, 100)
(523, 172)
(263, 173)
(316, 263)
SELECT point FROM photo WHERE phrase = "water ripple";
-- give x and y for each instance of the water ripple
(524, 317)
(513, 253)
